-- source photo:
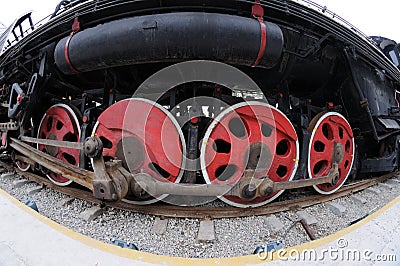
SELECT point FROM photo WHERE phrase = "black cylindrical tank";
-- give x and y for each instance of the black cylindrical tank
(170, 37)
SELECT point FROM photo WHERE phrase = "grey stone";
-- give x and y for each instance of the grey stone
(20, 183)
(394, 182)
(206, 231)
(160, 226)
(34, 190)
(358, 199)
(373, 191)
(336, 208)
(307, 217)
(91, 213)
(8, 174)
(273, 223)
(385, 186)
(65, 202)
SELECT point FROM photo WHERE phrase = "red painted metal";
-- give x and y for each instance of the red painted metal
(76, 26)
(331, 128)
(226, 149)
(140, 126)
(257, 12)
(4, 139)
(19, 98)
(60, 123)
(263, 44)
(194, 120)
(66, 54)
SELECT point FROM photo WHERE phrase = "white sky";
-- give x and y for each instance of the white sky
(372, 17)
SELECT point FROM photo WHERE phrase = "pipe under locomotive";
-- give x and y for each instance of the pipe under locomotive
(146, 101)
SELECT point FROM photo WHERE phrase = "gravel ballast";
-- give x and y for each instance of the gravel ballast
(233, 237)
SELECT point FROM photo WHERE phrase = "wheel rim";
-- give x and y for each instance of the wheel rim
(60, 122)
(146, 137)
(226, 149)
(330, 128)
(24, 167)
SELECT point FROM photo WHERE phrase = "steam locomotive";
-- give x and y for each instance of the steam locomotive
(184, 101)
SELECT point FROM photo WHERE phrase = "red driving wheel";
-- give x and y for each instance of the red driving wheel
(60, 122)
(146, 137)
(328, 129)
(249, 135)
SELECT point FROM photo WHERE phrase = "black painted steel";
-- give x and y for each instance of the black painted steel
(170, 37)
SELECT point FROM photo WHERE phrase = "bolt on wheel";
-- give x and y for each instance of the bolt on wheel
(249, 135)
(329, 131)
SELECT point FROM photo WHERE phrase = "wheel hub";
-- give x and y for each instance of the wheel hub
(131, 151)
(52, 150)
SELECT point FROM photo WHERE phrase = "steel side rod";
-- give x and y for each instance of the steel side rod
(55, 143)
(78, 175)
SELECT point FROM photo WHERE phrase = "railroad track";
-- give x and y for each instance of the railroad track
(166, 210)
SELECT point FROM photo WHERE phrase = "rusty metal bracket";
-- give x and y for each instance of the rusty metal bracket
(121, 185)
(103, 186)
(109, 182)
